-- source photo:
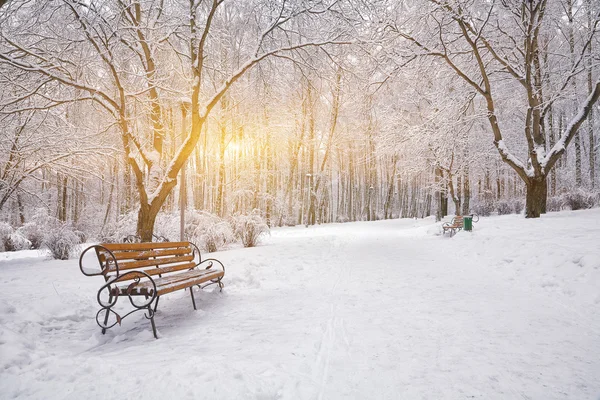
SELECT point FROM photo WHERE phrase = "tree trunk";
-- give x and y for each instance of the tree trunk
(467, 193)
(21, 210)
(62, 211)
(537, 190)
(441, 194)
(311, 217)
(571, 38)
(145, 224)
(453, 196)
(552, 141)
(592, 142)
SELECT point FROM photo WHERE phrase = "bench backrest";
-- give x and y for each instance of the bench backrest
(151, 258)
(457, 220)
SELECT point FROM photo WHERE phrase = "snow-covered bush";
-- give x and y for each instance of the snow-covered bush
(504, 207)
(62, 242)
(483, 209)
(249, 228)
(518, 206)
(580, 199)
(34, 233)
(5, 231)
(80, 235)
(208, 231)
(15, 242)
(166, 227)
(554, 203)
(115, 232)
(217, 236)
(342, 219)
(125, 228)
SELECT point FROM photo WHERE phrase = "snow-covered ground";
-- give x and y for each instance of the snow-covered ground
(372, 310)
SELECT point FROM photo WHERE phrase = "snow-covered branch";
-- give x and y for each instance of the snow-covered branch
(571, 130)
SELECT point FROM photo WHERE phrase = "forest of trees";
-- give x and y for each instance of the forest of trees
(310, 111)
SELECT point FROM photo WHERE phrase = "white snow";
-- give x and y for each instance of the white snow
(8, 256)
(372, 310)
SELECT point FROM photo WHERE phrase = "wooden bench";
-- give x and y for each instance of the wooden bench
(149, 270)
(454, 226)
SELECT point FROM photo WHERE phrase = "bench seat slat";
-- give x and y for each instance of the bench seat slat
(195, 281)
(452, 226)
(171, 283)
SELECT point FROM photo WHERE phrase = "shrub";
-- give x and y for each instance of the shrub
(509, 206)
(5, 231)
(217, 236)
(554, 203)
(579, 199)
(124, 226)
(33, 232)
(62, 242)
(342, 219)
(81, 236)
(518, 206)
(208, 231)
(249, 228)
(166, 227)
(483, 209)
(504, 207)
(15, 242)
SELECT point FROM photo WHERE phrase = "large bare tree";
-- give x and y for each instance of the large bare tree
(129, 51)
(490, 44)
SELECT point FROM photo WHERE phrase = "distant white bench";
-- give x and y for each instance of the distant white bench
(150, 270)
(455, 225)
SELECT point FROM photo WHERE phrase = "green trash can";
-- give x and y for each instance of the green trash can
(468, 223)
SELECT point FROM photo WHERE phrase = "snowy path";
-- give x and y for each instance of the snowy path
(368, 310)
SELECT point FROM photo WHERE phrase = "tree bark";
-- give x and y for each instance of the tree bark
(592, 142)
(145, 223)
(21, 210)
(220, 202)
(62, 211)
(311, 217)
(466, 192)
(537, 190)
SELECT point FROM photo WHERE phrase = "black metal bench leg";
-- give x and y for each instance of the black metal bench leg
(156, 304)
(193, 300)
(107, 312)
(151, 313)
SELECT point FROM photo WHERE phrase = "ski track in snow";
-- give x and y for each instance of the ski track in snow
(386, 310)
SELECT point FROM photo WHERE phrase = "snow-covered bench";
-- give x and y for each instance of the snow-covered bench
(455, 225)
(150, 270)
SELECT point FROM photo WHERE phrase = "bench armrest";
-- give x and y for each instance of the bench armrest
(104, 267)
(209, 263)
(102, 317)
